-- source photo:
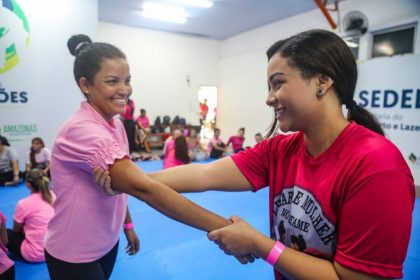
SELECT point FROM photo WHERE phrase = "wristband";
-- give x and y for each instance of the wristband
(275, 253)
(128, 226)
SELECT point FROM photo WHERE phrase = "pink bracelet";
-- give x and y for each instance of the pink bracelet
(275, 253)
(128, 226)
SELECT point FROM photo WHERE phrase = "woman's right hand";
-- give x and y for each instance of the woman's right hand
(102, 178)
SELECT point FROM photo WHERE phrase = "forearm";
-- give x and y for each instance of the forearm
(186, 178)
(127, 219)
(127, 177)
(15, 167)
(292, 261)
(220, 175)
(177, 207)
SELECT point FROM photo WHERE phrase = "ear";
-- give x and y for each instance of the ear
(324, 82)
(84, 85)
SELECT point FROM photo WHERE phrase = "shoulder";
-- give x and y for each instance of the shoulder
(373, 150)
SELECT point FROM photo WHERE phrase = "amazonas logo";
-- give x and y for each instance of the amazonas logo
(14, 34)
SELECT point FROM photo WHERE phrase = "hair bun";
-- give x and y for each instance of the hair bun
(78, 42)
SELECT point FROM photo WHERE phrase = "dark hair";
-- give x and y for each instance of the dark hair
(299, 241)
(89, 56)
(181, 149)
(4, 141)
(32, 152)
(142, 111)
(242, 129)
(323, 52)
(40, 183)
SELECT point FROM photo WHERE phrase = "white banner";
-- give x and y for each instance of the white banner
(37, 89)
(390, 88)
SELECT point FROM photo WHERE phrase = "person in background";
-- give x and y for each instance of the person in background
(204, 109)
(143, 130)
(129, 124)
(216, 146)
(38, 156)
(237, 141)
(95, 138)
(9, 167)
(196, 151)
(32, 214)
(176, 151)
(258, 138)
(7, 266)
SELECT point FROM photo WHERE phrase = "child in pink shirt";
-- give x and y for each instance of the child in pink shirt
(7, 266)
(176, 152)
(31, 218)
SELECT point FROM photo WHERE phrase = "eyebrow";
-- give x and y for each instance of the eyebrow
(274, 75)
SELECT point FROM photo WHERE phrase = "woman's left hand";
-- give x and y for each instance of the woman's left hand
(237, 239)
(133, 245)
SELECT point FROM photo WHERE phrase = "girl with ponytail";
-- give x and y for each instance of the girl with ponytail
(31, 217)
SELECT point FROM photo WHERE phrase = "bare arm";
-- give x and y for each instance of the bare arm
(221, 175)
(127, 177)
(241, 238)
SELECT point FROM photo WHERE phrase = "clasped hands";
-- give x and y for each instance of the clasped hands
(236, 239)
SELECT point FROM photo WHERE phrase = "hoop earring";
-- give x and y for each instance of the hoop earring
(320, 93)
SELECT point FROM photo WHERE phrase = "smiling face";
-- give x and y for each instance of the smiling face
(109, 92)
(37, 146)
(293, 98)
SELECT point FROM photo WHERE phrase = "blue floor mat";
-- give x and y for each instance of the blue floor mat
(173, 251)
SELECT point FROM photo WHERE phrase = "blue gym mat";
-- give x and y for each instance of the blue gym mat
(173, 251)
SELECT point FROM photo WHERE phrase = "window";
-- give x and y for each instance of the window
(394, 41)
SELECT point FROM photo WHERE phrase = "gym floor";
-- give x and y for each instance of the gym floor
(173, 251)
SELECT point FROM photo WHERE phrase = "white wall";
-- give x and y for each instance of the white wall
(160, 63)
(243, 63)
(45, 71)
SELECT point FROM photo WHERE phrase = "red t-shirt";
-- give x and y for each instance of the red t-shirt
(352, 203)
(237, 142)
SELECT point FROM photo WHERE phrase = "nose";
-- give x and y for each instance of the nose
(125, 89)
(271, 99)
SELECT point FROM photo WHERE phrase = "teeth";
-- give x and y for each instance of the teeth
(119, 100)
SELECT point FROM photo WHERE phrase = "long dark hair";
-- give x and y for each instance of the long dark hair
(89, 56)
(181, 149)
(323, 52)
(32, 152)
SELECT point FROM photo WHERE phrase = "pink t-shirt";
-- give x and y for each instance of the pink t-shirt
(237, 142)
(169, 159)
(87, 222)
(34, 213)
(351, 204)
(5, 262)
(143, 121)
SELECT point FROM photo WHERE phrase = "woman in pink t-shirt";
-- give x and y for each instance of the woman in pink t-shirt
(31, 218)
(143, 130)
(176, 152)
(83, 236)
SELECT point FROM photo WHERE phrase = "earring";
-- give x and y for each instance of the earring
(320, 93)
